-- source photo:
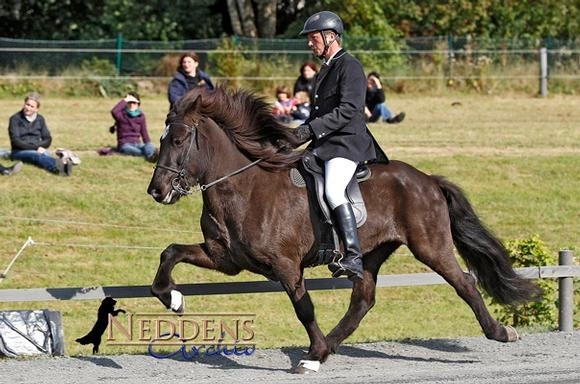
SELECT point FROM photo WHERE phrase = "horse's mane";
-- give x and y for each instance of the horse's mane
(248, 121)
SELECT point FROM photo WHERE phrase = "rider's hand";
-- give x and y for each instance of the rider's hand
(303, 132)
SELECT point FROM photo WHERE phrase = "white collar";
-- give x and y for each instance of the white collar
(341, 51)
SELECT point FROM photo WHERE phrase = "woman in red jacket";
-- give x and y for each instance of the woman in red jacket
(131, 127)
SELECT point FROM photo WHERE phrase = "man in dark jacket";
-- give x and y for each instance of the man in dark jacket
(338, 130)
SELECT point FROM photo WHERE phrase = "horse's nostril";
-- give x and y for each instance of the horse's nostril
(153, 192)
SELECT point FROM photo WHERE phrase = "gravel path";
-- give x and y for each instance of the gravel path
(536, 358)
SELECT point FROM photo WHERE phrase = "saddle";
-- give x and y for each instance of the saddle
(310, 174)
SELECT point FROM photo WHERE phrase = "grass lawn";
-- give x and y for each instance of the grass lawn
(516, 157)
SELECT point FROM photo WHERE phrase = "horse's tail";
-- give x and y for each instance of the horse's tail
(484, 254)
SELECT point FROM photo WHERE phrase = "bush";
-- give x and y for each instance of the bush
(531, 252)
(97, 78)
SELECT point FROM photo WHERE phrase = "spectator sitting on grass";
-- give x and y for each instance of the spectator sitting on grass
(30, 139)
(131, 127)
(375, 106)
(284, 105)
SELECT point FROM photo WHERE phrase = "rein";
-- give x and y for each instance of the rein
(176, 182)
(206, 186)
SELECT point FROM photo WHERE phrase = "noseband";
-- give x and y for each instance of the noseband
(181, 173)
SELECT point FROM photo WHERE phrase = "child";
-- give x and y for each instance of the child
(302, 108)
(284, 105)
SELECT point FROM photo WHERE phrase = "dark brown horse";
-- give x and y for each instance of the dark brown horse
(254, 218)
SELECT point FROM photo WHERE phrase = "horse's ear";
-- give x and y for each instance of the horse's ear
(196, 103)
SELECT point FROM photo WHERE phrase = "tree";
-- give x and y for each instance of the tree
(37, 19)
(253, 18)
(159, 20)
(170, 20)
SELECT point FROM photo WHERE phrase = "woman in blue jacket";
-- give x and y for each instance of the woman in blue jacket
(188, 77)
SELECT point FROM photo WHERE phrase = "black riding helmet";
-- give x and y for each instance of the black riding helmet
(320, 22)
(323, 21)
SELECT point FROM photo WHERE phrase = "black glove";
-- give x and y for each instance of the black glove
(303, 132)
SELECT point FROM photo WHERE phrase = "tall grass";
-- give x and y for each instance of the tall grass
(516, 157)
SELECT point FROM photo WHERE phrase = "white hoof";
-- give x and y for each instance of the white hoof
(307, 366)
(177, 302)
(512, 334)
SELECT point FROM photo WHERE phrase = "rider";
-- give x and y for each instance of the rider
(338, 130)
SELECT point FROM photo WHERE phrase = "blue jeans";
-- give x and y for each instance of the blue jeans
(380, 110)
(30, 156)
(146, 150)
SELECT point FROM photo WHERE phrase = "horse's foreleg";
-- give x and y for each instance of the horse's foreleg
(318, 351)
(163, 286)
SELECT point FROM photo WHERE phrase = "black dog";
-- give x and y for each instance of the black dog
(94, 336)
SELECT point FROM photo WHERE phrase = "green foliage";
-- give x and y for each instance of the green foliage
(230, 61)
(368, 32)
(96, 80)
(229, 64)
(78, 20)
(531, 252)
(182, 19)
(18, 88)
(98, 67)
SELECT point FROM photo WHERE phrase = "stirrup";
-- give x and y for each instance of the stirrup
(338, 269)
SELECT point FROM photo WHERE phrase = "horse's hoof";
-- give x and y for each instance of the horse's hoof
(512, 334)
(307, 366)
(177, 302)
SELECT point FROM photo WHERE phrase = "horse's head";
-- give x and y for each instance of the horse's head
(222, 130)
(180, 163)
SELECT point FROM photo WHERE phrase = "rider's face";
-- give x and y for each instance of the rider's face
(316, 43)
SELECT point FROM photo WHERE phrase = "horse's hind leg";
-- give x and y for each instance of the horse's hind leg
(443, 261)
(362, 298)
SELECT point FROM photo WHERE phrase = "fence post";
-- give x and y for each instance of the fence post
(119, 52)
(565, 294)
(543, 71)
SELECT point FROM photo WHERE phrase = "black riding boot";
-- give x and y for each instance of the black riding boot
(350, 263)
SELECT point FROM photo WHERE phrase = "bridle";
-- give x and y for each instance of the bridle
(180, 178)
(176, 182)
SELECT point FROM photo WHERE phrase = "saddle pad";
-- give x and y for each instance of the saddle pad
(352, 192)
(297, 178)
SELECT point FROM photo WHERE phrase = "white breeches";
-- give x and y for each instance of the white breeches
(338, 172)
